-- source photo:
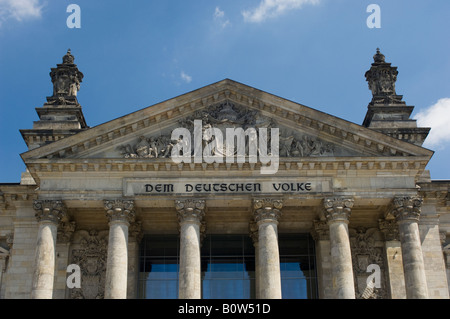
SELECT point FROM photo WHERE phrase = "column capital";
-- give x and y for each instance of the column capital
(190, 210)
(119, 210)
(49, 210)
(389, 228)
(267, 209)
(407, 208)
(338, 208)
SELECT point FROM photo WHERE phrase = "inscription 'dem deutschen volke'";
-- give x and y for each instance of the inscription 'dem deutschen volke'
(230, 188)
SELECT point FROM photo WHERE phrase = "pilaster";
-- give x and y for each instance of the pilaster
(394, 260)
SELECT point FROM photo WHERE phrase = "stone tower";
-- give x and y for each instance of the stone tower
(61, 115)
(387, 112)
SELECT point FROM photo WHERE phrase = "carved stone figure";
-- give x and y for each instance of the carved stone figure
(153, 147)
(228, 116)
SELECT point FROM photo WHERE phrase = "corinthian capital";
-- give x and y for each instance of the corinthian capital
(267, 209)
(49, 210)
(190, 210)
(120, 211)
(338, 209)
(407, 208)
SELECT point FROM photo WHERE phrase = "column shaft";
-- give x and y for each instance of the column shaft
(44, 272)
(267, 212)
(337, 212)
(48, 213)
(407, 212)
(120, 214)
(190, 267)
(190, 215)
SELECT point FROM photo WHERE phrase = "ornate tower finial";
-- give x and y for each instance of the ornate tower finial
(68, 58)
(66, 79)
(387, 112)
(379, 57)
(382, 77)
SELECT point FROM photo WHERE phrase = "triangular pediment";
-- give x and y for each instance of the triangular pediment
(304, 132)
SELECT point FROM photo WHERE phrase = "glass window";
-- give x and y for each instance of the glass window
(228, 267)
(158, 276)
(297, 266)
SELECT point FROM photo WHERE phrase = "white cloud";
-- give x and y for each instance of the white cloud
(219, 16)
(437, 117)
(186, 78)
(218, 13)
(273, 8)
(20, 9)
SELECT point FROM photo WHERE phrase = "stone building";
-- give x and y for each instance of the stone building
(130, 210)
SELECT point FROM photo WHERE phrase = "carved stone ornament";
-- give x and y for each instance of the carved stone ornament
(382, 78)
(267, 209)
(120, 211)
(91, 257)
(364, 253)
(190, 210)
(223, 116)
(389, 228)
(338, 209)
(65, 232)
(66, 79)
(407, 208)
(254, 232)
(321, 230)
(135, 231)
(49, 210)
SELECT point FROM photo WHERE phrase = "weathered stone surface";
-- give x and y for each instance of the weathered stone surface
(335, 177)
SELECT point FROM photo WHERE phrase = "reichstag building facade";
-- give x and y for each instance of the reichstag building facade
(226, 192)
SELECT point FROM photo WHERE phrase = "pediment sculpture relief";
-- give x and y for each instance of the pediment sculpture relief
(224, 116)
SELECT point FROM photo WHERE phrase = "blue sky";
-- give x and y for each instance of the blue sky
(137, 53)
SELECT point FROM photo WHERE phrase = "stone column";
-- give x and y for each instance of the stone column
(48, 214)
(394, 260)
(120, 214)
(266, 213)
(254, 235)
(337, 213)
(190, 216)
(321, 236)
(407, 212)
